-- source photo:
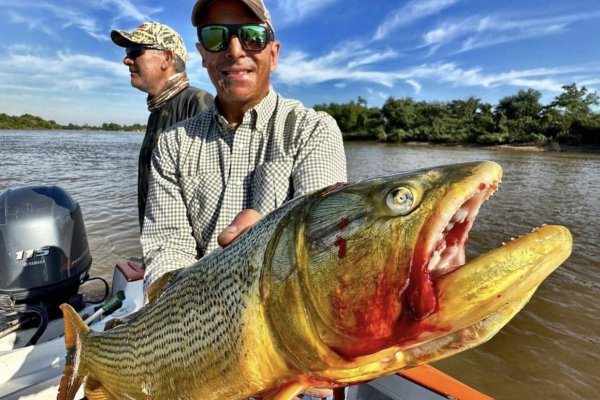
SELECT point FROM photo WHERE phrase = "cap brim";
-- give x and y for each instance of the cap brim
(120, 38)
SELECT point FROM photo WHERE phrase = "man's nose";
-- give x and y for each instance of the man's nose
(235, 49)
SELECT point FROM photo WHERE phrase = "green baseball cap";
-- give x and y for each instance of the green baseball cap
(152, 33)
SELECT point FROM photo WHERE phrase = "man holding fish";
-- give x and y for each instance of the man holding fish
(253, 150)
(216, 174)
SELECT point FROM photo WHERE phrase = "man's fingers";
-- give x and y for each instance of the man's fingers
(240, 223)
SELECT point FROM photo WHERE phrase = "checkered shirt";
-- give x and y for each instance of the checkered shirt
(204, 172)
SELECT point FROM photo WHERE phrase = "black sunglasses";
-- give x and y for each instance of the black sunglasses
(136, 50)
(253, 37)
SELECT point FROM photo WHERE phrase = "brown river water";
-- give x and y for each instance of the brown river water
(550, 350)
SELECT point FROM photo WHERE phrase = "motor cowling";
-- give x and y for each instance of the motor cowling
(44, 252)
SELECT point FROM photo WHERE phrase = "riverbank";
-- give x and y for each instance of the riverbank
(520, 147)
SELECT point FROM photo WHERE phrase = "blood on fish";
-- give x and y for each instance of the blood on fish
(343, 224)
(420, 296)
(341, 244)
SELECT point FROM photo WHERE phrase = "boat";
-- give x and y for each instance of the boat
(44, 259)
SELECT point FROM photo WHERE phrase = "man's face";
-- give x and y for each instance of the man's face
(147, 71)
(240, 76)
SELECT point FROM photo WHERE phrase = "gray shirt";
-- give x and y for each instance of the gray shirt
(204, 172)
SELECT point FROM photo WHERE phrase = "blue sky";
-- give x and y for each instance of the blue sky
(57, 60)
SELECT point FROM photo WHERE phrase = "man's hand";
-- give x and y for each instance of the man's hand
(241, 222)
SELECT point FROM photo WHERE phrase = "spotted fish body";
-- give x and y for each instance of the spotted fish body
(345, 285)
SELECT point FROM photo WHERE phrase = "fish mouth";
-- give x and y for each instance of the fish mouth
(444, 237)
(448, 252)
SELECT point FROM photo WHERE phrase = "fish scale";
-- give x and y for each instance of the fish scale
(285, 307)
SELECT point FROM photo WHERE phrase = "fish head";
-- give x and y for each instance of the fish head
(371, 267)
(356, 273)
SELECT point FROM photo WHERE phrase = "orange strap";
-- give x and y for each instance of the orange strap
(436, 380)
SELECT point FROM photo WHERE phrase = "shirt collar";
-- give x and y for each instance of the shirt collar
(257, 117)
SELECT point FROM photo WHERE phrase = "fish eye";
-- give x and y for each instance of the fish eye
(401, 200)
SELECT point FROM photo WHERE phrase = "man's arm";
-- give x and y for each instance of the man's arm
(167, 240)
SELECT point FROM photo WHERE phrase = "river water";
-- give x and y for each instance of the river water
(550, 350)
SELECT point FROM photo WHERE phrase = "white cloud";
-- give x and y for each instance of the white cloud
(129, 11)
(298, 69)
(75, 87)
(352, 62)
(31, 72)
(478, 32)
(416, 85)
(51, 18)
(413, 11)
(62, 65)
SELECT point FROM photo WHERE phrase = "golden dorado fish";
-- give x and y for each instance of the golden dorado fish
(342, 286)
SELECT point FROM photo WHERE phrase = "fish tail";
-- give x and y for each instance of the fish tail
(75, 331)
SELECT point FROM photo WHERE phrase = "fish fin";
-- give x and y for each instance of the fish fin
(157, 287)
(75, 331)
(95, 391)
(287, 392)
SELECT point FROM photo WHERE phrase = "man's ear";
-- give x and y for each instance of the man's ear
(169, 58)
(274, 50)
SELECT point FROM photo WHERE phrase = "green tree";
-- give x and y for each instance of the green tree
(519, 117)
(399, 113)
(569, 117)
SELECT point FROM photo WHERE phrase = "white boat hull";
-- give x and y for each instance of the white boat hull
(33, 372)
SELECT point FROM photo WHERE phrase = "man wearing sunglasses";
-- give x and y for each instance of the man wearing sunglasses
(248, 154)
(156, 57)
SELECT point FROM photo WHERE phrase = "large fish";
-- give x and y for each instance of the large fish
(342, 286)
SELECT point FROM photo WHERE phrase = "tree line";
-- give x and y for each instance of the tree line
(28, 121)
(518, 119)
(569, 119)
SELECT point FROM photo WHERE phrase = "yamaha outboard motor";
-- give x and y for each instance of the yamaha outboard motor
(44, 253)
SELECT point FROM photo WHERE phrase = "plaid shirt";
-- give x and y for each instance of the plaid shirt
(204, 172)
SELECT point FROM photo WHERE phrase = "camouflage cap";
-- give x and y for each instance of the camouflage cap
(152, 33)
(256, 6)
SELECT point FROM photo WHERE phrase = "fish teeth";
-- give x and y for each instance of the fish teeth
(443, 258)
(460, 215)
(435, 259)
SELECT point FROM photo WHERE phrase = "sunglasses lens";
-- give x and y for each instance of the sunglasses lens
(214, 38)
(134, 52)
(253, 37)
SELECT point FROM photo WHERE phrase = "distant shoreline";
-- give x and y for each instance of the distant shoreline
(518, 147)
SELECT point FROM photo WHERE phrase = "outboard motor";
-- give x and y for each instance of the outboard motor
(44, 253)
